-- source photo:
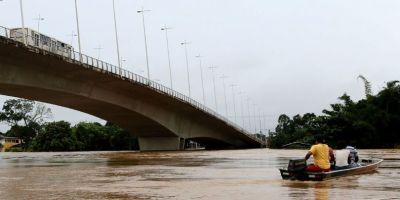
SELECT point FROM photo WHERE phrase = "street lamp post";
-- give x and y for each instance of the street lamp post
(72, 35)
(141, 72)
(248, 112)
(98, 51)
(145, 41)
(116, 37)
(215, 91)
(123, 61)
(255, 118)
(187, 65)
(77, 27)
(259, 118)
(201, 76)
(22, 21)
(223, 77)
(233, 100)
(265, 124)
(39, 18)
(241, 107)
(165, 28)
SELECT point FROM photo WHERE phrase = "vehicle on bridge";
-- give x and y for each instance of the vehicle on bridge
(36, 39)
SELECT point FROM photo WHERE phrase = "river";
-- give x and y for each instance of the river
(234, 174)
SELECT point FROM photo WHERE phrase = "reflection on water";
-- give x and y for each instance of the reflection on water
(238, 174)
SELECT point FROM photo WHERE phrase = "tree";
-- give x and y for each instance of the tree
(369, 123)
(40, 114)
(16, 110)
(367, 86)
(91, 136)
(24, 112)
(95, 137)
(26, 133)
(120, 139)
(55, 136)
(285, 124)
(25, 118)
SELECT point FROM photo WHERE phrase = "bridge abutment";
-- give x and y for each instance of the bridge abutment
(160, 143)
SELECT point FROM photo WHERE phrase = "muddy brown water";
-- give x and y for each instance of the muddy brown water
(235, 174)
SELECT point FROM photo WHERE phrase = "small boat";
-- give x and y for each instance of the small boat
(297, 170)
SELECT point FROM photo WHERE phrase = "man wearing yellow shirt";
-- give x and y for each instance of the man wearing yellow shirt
(322, 154)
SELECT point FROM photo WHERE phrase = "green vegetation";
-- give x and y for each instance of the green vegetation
(372, 122)
(55, 136)
(369, 123)
(95, 137)
(26, 119)
(17, 148)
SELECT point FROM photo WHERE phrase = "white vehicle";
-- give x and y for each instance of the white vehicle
(36, 39)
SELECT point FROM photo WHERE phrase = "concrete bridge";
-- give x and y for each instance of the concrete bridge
(161, 118)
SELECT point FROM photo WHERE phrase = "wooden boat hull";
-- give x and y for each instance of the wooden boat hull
(366, 165)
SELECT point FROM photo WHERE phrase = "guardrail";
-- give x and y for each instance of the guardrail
(124, 74)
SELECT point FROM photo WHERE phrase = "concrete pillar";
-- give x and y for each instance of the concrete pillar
(159, 143)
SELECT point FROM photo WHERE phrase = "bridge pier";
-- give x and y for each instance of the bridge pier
(160, 143)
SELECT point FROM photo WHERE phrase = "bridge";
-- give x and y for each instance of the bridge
(161, 118)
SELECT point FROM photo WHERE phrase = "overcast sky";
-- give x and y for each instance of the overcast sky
(287, 56)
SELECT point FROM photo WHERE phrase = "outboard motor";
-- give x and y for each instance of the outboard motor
(297, 165)
(296, 170)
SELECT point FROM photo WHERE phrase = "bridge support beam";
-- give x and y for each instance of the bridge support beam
(160, 143)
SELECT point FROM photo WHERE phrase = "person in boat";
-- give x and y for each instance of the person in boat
(353, 156)
(322, 154)
(346, 158)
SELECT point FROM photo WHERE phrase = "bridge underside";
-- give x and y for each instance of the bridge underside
(159, 121)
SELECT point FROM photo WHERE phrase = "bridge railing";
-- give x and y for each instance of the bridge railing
(100, 65)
